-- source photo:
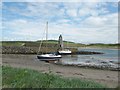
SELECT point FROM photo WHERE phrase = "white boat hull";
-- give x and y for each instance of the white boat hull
(46, 57)
(63, 52)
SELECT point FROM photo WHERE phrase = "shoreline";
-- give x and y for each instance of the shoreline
(106, 77)
(33, 50)
(92, 67)
(80, 65)
(99, 48)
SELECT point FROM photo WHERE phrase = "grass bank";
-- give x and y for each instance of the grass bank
(25, 78)
(50, 43)
(108, 46)
(31, 47)
(53, 43)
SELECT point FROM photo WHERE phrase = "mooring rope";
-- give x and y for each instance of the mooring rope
(41, 42)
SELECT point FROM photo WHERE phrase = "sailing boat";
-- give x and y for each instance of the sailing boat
(48, 57)
(63, 51)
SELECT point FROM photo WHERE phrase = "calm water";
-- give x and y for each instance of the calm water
(109, 58)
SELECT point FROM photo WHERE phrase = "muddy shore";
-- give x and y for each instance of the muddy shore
(105, 77)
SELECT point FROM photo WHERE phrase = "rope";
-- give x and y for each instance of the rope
(41, 42)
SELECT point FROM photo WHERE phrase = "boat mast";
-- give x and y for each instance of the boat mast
(67, 45)
(46, 35)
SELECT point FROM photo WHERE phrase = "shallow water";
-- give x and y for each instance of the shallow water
(108, 59)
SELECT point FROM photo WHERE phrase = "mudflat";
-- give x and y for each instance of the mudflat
(105, 77)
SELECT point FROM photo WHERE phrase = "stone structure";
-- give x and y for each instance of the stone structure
(60, 43)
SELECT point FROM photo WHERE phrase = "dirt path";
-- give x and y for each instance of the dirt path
(105, 77)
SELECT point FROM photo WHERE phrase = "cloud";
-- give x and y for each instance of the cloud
(60, 1)
(23, 28)
(101, 21)
(72, 12)
(79, 22)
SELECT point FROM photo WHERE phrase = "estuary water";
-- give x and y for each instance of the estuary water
(107, 60)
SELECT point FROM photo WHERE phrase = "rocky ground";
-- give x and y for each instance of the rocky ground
(34, 50)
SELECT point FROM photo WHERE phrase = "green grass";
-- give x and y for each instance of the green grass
(100, 45)
(0, 77)
(30, 47)
(35, 43)
(12, 43)
(25, 78)
(55, 42)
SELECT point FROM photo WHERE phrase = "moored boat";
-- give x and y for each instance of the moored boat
(47, 57)
(62, 50)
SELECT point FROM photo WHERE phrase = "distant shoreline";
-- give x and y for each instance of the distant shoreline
(99, 48)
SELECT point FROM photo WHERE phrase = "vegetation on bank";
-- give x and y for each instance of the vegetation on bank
(101, 45)
(29, 47)
(25, 78)
(0, 76)
(55, 42)
(37, 43)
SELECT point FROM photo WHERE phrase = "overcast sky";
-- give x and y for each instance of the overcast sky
(83, 22)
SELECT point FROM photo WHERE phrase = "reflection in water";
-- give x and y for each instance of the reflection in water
(108, 59)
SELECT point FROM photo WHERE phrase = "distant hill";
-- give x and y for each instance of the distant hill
(101, 44)
(37, 43)
(54, 41)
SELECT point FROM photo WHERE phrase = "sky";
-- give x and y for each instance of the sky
(81, 22)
